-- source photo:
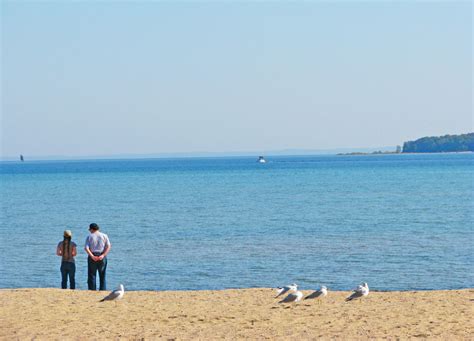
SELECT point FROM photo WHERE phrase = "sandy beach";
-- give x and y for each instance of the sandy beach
(234, 314)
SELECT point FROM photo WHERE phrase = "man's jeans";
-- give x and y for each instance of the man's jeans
(68, 269)
(92, 268)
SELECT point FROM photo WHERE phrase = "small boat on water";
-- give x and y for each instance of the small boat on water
(261, 159)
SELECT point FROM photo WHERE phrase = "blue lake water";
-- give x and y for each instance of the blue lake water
(398, 222)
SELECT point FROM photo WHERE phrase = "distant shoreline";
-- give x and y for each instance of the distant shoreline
(267, 156)
(403, 153)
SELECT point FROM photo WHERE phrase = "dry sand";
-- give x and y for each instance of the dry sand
(47, 314)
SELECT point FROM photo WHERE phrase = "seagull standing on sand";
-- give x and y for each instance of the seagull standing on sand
(318, 293)
(283, 290)
(361, 291)
(117, 294)
(293, 297)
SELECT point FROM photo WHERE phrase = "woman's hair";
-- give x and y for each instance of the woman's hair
(67, 246)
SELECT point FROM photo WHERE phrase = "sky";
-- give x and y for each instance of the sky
(108, 78)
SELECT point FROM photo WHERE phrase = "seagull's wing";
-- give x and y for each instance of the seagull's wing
(282, 291)
(315, 294)
(355, 294)
(112, 296)
(288, 299)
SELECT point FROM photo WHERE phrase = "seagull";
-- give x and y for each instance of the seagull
(117, 294)
(285, 289)
(293, 297)
(318, 293)
(361, 291)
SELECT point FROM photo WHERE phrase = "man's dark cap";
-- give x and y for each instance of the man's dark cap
(93, 226)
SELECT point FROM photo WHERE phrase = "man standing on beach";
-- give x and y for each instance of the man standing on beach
(97, 247)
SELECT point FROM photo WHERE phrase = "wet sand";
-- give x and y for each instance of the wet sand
(255, 314)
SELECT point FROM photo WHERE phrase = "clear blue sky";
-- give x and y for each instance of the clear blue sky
(89, 78)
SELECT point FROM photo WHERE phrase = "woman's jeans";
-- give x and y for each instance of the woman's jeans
(68, 269)
(93, 268)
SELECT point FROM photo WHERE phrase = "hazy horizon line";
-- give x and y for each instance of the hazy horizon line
(276, 152)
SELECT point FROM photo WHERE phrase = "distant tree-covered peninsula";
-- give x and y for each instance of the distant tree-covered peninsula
(441, 144)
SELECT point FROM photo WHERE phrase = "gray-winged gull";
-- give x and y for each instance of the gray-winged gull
(117, 294)
(322, 292)
(361, 291)
(285, 289)
(293, 297)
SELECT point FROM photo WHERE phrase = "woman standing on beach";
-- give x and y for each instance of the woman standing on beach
(67, 250)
